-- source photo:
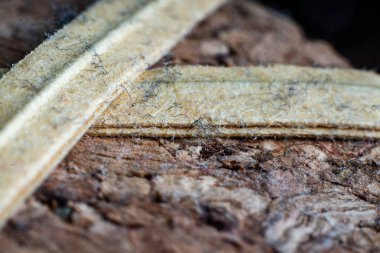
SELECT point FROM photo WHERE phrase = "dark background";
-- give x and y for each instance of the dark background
(352, 26)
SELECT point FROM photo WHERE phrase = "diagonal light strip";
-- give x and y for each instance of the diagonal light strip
(50, 99)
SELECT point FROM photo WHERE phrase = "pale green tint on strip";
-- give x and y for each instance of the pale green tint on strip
(26, 79)
(47, 106)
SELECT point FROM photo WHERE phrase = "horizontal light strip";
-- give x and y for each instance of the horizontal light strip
(279, 100)
(50, 99)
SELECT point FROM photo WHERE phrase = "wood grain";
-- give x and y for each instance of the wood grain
(192, 195)
(51, 98)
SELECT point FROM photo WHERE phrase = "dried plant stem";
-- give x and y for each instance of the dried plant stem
(51, 98)
(283, 101)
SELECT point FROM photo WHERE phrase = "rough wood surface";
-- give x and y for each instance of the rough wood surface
(25, 24)
(212, 195)
(52, 97)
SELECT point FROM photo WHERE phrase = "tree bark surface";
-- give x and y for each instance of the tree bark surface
(212, 195)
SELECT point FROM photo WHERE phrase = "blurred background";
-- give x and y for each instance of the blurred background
(352, 26)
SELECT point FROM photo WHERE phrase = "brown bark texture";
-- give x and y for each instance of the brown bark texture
(212, 195)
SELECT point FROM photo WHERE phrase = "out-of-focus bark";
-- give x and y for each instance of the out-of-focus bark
(204, 195)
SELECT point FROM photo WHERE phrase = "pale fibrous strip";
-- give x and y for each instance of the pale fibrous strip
(50, 99)
(49, 60)
(284, 101)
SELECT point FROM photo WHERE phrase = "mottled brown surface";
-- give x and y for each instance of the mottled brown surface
(212, 195)
(203, 196)
(24, 24)
(244, 34)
